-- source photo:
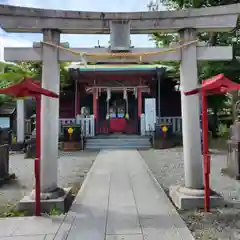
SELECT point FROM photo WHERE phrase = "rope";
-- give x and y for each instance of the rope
(123, 54)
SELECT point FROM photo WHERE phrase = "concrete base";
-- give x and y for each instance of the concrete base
(230, 173)
(188, 199)
(62, 204)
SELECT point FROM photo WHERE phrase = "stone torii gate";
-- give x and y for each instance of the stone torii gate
(51, 23)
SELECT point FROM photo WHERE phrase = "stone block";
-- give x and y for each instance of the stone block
(31, 148)
(62, 204)
(163, 144)
(18, 147)
(188, 199)
(72, 146)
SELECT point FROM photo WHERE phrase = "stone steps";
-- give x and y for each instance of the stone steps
(118, 142)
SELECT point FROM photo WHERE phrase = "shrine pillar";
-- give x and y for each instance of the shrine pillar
(20, 120)
(50, 113)
(77, 99)
(190, 105)
(95, 107)
(139, 97)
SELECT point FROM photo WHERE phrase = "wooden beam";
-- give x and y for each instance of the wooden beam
(203, 53)
(20, 19)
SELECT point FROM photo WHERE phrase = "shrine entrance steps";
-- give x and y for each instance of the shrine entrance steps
(118, 141)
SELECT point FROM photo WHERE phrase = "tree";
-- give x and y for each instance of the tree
(12, 73)
(206, 69)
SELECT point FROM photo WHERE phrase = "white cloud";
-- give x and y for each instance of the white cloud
(47, 4)
(83, 5)
(9, 42)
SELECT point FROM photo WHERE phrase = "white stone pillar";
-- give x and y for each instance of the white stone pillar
(20, 120)
(193, 166)
(50, 112)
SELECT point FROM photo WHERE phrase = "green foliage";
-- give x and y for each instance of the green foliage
(13, 73)
(55, 212)
(223, 130)
(10, 211)
(13, 213)
(231, 69)
(182, 4)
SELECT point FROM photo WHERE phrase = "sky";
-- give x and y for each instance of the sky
(83, 5)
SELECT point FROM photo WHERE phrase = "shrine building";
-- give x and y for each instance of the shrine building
(120, 98)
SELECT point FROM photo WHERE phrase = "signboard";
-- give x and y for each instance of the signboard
(150, 114)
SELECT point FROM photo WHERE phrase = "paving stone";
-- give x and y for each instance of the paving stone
(8, 226)
(50, 237)
(121, 200)
(33, 237)
(125, 237)
(37, 226)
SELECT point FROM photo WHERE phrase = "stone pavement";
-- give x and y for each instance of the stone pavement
(29, 228)
(119, 200)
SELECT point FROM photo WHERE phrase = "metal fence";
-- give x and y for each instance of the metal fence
(87, 125)
(176, 123)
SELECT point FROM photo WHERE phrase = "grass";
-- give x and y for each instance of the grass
(10, 211)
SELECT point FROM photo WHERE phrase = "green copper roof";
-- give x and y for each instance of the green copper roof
(118, 67)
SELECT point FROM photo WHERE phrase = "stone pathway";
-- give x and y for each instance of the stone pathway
(29, 228)
(119, 200)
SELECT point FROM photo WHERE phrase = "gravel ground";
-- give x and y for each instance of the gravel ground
(71, 170)
(221, 224)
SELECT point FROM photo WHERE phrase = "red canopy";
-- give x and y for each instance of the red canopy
(216, 85)
(27, 88)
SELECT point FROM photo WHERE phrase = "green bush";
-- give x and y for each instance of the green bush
(223, 130)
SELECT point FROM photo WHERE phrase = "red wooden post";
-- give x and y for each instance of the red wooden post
(217, 84)
(38, 157)
(27, 87)
(139, 95)
(206, 156)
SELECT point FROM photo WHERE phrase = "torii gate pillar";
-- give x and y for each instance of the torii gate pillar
(191, 195)
(190, 113)
(50, 113)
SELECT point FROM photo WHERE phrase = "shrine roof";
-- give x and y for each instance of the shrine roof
(118, 67)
